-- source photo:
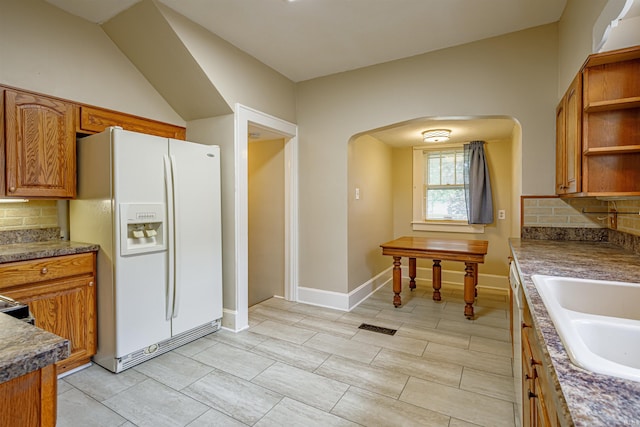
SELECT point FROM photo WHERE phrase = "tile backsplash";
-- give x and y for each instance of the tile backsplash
(31, 214)
(628, 223)
(568, 213)
(563, 213)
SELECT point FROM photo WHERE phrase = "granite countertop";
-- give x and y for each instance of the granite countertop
(25, 348)
(589, 399)
(33, 250)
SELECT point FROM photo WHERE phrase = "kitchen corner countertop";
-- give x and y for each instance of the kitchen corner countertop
(25, 348)
(588, 399)
(33, 250)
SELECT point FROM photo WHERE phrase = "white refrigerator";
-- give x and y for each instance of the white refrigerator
(153, 206)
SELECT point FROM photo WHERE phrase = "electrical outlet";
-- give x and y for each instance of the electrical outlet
(502, 214)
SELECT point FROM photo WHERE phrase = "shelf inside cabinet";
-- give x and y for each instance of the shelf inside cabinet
(612, 104)
(620, 149)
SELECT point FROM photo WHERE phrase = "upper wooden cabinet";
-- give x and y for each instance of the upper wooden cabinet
(611, 123)
(568, 140)
(39, 147)
(94, 120)
(38, 141)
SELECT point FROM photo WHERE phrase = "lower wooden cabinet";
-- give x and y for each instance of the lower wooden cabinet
(61, 293)
(538, 405)
(30, 400)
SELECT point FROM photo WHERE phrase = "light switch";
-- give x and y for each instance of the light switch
(357, 193)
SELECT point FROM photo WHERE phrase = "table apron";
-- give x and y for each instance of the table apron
(478, 259)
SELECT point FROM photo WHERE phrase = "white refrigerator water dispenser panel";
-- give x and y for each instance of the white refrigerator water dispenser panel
(142, 228)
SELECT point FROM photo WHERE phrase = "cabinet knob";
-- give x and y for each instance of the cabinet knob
(524, 325)
(12, 189)
(534, 362)
(531, 394)
(44, 270)
(91, 283)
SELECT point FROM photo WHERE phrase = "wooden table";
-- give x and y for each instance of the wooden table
(471, 252)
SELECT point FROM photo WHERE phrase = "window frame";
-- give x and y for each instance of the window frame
(419, 221)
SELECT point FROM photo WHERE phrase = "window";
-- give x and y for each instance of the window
(438, 190)
(444, 185)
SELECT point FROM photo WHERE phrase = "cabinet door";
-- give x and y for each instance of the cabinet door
(569, 140)
(561, 142)
(573, 145)
(65, 307)
(39, 147)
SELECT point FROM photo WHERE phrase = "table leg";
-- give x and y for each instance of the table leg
(412, 273)
(475, 279)
(469, 290)
(397, 281)
(437, 280)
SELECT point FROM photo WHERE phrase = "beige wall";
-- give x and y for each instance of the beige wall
(371, 216)
(513, 75)
(47, 50)
(575, 31)
(266, 220)
(238, 77)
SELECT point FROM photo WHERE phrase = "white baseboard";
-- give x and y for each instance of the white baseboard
(347, 302)
(341, 301)
(229, 321)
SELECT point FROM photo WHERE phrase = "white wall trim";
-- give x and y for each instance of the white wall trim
(243, 117)
(229, 321)
(322, 298)
(342, 301)
(347, 302)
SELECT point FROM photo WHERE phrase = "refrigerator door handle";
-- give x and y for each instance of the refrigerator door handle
(171, 283)
(177, 241)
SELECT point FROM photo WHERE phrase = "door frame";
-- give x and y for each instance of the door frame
(243, 117)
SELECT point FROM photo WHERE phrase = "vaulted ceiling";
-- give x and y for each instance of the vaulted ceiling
(304, 39)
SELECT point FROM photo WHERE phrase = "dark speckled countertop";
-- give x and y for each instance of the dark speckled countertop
(33, 250)
(588, 399)
(25, 348)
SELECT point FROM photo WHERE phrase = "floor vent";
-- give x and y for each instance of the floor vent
(380, 329)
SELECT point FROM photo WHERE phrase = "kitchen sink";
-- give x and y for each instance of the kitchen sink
(598, 322)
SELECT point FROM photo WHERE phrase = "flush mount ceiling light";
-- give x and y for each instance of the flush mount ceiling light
(436, 135)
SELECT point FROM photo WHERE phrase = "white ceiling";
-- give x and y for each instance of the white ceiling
(304, 39)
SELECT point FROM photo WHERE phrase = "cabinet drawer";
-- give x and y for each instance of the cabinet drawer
(43, 269)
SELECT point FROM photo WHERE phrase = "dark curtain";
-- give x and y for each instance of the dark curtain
(477, 185)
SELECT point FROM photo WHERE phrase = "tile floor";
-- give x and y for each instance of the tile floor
(301, 365)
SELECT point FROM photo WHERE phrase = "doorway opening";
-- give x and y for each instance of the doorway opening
(250, 120)
(266, 169)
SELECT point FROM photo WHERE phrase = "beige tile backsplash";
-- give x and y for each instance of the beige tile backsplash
(556, 212)
(628, 223)
(31, 214)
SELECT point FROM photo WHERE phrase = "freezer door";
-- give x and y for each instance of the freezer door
(141, 286)
(198, 242)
